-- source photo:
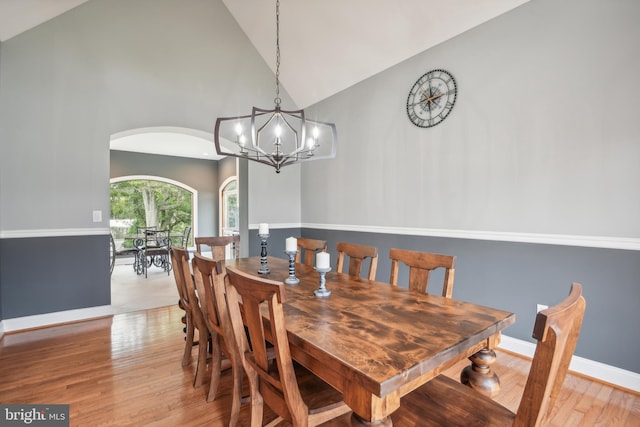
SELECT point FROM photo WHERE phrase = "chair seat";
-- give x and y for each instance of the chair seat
(445, 402)
(318, 396)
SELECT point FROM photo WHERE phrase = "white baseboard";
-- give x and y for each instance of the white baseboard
(606, 373)
(41, 320)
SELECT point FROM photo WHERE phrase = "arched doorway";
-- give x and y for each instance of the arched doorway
(151, 201)
(142, 201)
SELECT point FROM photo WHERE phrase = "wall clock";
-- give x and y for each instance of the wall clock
(431, 98)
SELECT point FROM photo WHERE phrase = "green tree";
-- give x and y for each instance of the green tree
(146, 203)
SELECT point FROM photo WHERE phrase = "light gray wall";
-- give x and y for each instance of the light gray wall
(544, 136)
(202, 175)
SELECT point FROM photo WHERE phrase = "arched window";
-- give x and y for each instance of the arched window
(229, 207)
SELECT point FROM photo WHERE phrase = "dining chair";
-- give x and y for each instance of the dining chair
(445, 402)
(112, 253)
(218, 246)
(288, 389)
(209, 277)
(307, 249)
(421, 264)
(357, 254)
(156, 250)
(193, 315)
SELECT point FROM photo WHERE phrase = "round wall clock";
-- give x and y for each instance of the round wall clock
(431, 98)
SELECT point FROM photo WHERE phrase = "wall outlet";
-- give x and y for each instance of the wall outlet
(540, 307)
(97, 216)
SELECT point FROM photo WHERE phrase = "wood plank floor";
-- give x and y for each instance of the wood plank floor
(126, 371)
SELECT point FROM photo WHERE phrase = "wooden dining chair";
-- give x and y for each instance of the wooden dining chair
(445, 402)
(357, 255)
(288, 389)
(194, 318)
(307, 249)
(209, 278)
(218, 245)
(421, 264)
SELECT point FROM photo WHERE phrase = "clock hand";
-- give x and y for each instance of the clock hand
(435, 97)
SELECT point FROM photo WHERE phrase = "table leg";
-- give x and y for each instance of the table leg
(357, 421)
(479, 375)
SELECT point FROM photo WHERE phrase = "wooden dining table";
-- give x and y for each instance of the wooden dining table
(375, 342)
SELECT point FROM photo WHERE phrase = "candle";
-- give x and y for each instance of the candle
(263, 228)
(291, 244)
(322, 260)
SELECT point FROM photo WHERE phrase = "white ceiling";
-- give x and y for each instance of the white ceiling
(343, 43)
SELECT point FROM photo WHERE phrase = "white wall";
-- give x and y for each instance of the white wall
(544, 136)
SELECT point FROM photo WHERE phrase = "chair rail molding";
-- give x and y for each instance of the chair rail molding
(57, 232)
(625, 243)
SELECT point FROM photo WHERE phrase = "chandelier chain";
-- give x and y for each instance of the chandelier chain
(277, 100)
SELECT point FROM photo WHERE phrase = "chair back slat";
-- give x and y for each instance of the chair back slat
(421, 264)
(357, 255)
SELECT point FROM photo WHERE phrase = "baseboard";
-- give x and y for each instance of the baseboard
(581, 366)
(18, 324)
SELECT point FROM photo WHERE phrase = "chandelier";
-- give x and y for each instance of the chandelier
(275, 137)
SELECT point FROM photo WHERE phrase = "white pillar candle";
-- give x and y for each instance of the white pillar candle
(291, 244)
(263, 228)
(322, 260)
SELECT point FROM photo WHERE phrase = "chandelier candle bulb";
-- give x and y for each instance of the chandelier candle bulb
(291, 244)
(322, 260)
(263, 228)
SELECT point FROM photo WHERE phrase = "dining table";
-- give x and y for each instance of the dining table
(375, 342)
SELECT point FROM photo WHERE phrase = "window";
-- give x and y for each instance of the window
(139, 203)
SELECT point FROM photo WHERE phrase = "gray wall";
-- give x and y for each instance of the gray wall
(201, 175)
(544, 138)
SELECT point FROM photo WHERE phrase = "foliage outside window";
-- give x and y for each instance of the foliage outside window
(147, 203)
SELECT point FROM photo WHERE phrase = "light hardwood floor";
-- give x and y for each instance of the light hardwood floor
(125, 371)
(132, 292)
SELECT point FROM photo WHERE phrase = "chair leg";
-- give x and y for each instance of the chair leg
(188, 345)
(236, 401)
(257, 403)
(201, 367)
(216, 365)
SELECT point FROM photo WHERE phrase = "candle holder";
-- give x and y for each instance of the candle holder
(263, 254)
(322, 291)
(292, 279)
